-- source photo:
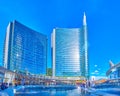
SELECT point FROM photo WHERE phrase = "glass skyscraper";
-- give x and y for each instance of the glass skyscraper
(70, 51)
(25, 49)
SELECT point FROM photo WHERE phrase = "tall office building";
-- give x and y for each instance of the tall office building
(25, 49)
(70, 51)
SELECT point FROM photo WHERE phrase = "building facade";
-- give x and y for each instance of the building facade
(70, 51)
(114, 71)
(25, 49)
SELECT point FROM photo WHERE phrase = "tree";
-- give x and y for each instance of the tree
(49, 71)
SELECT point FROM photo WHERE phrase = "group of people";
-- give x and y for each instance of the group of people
(4, 86)
(86, 84)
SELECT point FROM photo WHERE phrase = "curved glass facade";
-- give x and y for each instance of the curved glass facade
(114, 72)
(68, 50)
(25, 49)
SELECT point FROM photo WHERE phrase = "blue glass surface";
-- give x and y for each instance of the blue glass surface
(70, 59)
(27, 49)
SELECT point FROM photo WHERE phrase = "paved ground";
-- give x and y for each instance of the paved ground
(106, 92)
(92, 92)
(9, 91)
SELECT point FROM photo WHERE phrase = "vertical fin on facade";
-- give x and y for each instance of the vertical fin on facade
(84, 20)
(6, 46)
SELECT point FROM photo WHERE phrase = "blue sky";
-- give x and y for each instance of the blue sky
(103, 17)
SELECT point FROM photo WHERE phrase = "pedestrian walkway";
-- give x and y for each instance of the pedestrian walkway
(9, 91)
(105, 91)
(86, 91)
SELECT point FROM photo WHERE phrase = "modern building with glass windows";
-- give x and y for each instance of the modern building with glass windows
(70, 51)
(25, 49)
(114, 71)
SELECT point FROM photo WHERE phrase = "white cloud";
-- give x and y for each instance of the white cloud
(95, 65)
(96, 71)
(92, 73)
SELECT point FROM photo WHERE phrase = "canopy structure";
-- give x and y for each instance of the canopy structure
(3, 70)
(112, 69)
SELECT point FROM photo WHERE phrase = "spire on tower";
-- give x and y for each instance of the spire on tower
(84, 20)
